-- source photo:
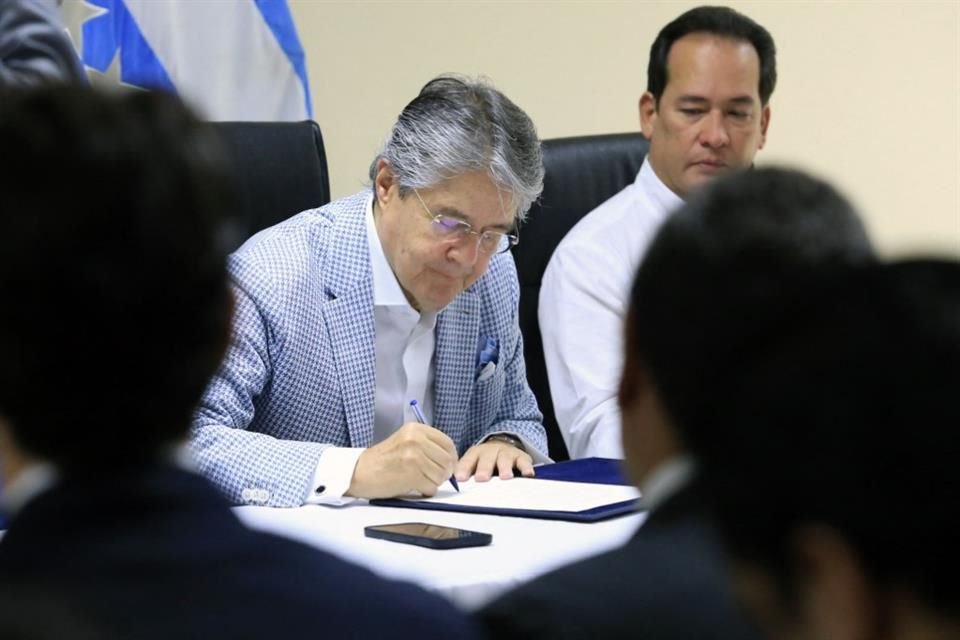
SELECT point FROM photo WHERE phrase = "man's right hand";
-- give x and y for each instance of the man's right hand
(416, 458)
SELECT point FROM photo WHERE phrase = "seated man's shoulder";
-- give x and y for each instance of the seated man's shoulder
(607, 243)
(296, 249)
(669, 584)
(303, 231)
(605, 218)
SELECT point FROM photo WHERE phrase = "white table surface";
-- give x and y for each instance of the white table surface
(522, 548)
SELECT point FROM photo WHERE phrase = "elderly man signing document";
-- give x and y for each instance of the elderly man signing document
(406, 291)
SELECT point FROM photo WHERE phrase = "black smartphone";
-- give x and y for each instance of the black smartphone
(428, 535)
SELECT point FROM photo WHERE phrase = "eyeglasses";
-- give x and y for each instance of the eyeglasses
(453, 230)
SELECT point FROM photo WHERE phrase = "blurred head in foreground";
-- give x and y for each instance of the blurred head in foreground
(710, 279)
(836, 487)
(116, 305)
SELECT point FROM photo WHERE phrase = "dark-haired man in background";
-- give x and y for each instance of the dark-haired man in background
(752, 230)
(705, 112)
(116, 312)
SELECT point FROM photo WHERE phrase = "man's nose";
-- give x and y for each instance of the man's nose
(466, 252)
(714, 131)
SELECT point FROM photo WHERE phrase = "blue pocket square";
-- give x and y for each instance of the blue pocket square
(488, 350)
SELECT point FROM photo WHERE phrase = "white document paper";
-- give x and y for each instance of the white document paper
(533, 494)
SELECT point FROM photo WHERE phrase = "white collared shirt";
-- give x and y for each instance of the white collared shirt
(405, 370)
(35, 479)
(583, 304)
(666, 479)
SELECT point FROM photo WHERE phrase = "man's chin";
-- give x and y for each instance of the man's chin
(698, 176)
(708, 169)
(437, 301)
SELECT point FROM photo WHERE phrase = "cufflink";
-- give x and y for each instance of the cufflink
(319, 490)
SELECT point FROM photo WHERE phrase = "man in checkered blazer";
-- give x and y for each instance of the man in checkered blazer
(375, 347)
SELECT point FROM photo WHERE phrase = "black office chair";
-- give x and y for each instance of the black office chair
(581, 173)
(279, 169)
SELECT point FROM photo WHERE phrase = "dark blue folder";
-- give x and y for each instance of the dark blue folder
(593, 470)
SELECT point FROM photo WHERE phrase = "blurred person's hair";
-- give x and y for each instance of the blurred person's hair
(116, 305)
(847, 418)
(716, 270)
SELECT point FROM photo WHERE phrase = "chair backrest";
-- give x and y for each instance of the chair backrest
(279, 169)
(581, 173)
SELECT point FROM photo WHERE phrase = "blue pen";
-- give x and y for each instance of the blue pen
(419, 416)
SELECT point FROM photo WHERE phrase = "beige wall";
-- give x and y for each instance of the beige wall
(868, 95)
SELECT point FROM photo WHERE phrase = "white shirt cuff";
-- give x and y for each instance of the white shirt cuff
(332, 477)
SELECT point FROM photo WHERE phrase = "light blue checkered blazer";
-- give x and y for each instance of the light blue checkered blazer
(300, 372)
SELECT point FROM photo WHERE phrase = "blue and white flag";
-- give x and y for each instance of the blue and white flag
(230, 59)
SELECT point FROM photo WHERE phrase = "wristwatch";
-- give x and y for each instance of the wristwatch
(509, 439)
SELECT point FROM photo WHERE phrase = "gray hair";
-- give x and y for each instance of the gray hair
(458, 125)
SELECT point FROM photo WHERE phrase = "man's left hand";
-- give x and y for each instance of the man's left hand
(494, 456)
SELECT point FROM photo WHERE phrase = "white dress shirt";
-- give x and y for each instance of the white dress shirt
(405, 367)
(666, 479)
(33, 480)
(583, 304)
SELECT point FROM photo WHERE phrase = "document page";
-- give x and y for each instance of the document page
(533, 494)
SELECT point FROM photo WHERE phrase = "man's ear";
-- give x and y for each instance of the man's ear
(836, 596)
(384, 183)
(764, 123)
(648, 114)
